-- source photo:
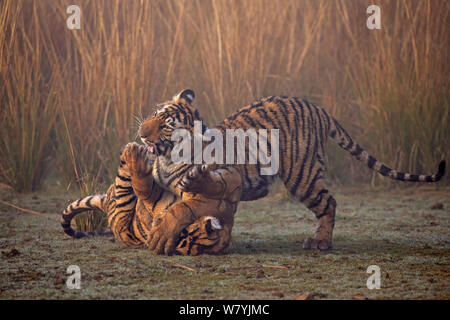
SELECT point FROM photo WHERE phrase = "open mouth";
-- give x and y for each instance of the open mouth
(152, 148)
(157, 149)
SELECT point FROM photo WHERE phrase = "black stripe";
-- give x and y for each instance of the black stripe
(283, 112)
(123, 204)
(302, 167)
(243, 111)
(123, 188)
(123, 178)
(314, 152)
(263, 114)
(118, 196)
(371, 162)
(65, 224)
(88, 202)
(140, 229)
(259, 125)
(308, 193)
(178, 174)
(302, 109)
(384, 170)
(333, 134)
(320, 122)
(282, 136)
(337, 126)
(317, 199)
(357, 152)
(324, 212)
(327, 117)
(400, 176)
(197, 115)
(113, 215)
(349, 145)
(297, 125)
(249, 120)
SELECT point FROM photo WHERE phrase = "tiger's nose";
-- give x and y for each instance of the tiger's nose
(142, 134)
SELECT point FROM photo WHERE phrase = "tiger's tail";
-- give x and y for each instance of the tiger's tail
(95, 202)
(338, 133)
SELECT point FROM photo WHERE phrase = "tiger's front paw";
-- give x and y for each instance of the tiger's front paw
(163, 236)
(195, 179)
(137, 159)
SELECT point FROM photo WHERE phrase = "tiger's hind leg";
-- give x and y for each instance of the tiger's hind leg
(318, 199)
(323, 205)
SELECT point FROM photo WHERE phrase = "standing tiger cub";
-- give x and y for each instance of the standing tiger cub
(303, 131)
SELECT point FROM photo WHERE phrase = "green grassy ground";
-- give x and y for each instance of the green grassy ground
(394, 229)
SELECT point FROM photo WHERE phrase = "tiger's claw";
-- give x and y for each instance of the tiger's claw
(136, 157)
(192, 181)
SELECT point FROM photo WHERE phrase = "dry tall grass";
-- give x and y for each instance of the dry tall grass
(72, 95)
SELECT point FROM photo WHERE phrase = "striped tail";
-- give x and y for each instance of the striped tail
(346, 142)
(79, 206)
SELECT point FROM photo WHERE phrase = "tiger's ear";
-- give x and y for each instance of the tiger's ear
(186, 94)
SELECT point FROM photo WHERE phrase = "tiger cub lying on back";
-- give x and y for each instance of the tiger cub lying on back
(135, 203)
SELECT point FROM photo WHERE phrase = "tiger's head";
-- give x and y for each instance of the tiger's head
(156, 131)
(206, 235)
